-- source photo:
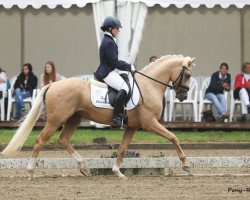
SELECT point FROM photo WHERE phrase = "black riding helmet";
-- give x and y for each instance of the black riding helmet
(110, 22)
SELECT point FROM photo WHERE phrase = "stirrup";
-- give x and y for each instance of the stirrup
(124, 122)
(120, 121)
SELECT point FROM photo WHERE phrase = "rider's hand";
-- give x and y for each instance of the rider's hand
(132, 68)
(226, 86)
(247, 87)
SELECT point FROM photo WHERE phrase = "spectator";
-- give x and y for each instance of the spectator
(153, 59)
(25, 83)
(242, 90)
(220, 82)
(3, 84)
(3, 81)
(49, 75)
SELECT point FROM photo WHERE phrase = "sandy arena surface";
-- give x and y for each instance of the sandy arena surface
(70, 184)
(136, 187)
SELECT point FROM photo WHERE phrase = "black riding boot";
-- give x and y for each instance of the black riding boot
(118, 114)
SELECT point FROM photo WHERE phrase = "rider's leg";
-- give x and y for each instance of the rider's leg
(115, 81)
(118, 115)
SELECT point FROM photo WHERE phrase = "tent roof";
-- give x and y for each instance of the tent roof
(195, 3)
(49, 3)
(163, 3)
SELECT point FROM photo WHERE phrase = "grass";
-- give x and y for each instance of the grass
(86, 136)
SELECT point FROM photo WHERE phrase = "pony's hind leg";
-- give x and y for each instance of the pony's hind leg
(127, 137)
(69, 127)
(157, 128)
(41, 139)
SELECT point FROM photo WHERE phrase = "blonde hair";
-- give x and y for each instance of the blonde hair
(244, 65)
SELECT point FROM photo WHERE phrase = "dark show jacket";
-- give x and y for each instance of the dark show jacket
(215, 85)
(108, 52)
(30, 86)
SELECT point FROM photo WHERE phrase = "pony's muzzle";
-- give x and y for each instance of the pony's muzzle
(181, 96)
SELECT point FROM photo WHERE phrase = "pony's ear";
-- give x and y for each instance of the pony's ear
(191, 61)
(188, 61)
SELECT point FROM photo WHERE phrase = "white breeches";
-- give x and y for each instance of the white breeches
(115, 81)
(244, 98)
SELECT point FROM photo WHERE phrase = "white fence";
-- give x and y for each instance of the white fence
(140, 163)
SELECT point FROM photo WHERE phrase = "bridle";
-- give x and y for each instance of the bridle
(179, 86)
(176, 85)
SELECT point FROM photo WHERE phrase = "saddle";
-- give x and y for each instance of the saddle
(112, 93)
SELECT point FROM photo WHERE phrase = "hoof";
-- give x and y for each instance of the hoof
(85, 171)
(30, 177)
(119, 174)
(187, 169)
(123, 177)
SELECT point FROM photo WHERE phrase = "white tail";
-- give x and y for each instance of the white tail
(26, 127)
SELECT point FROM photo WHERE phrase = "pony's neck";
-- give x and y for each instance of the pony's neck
(162, 71)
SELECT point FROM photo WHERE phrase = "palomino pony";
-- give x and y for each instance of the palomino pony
(67, 101)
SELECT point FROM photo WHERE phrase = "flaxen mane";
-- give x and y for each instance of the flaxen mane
(162, 58)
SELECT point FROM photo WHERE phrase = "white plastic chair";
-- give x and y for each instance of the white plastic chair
(234, 103)
(205, 102)
(165, 114)
(62, 77)
(12, 100)
(86, 77)
(200, 80)
(191, 100)
(2, 103)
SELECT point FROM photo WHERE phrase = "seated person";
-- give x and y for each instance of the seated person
(3, 80)
(25, 83)
(152, 59)
(220, 81)
(49, 75)
(242, 90)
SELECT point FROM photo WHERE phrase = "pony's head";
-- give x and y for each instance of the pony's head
(181, 77)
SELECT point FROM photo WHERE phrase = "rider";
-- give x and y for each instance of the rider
(108, 53)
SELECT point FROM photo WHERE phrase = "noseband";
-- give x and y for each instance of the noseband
(179, 87)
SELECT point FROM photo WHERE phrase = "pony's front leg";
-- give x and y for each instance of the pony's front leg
(127, 137)
(157, 128)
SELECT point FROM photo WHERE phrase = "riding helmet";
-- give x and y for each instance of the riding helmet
(110, 22)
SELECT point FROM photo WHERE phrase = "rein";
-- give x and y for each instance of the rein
(170, 86)
(177, 87)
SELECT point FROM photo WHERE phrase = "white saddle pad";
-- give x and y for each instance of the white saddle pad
(100, 99)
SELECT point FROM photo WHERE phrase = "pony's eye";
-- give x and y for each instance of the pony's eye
(187, 76)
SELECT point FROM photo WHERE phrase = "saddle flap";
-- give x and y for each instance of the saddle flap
(104, 96)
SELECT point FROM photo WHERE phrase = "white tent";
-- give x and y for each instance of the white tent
(164, 3)
(132, 14)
